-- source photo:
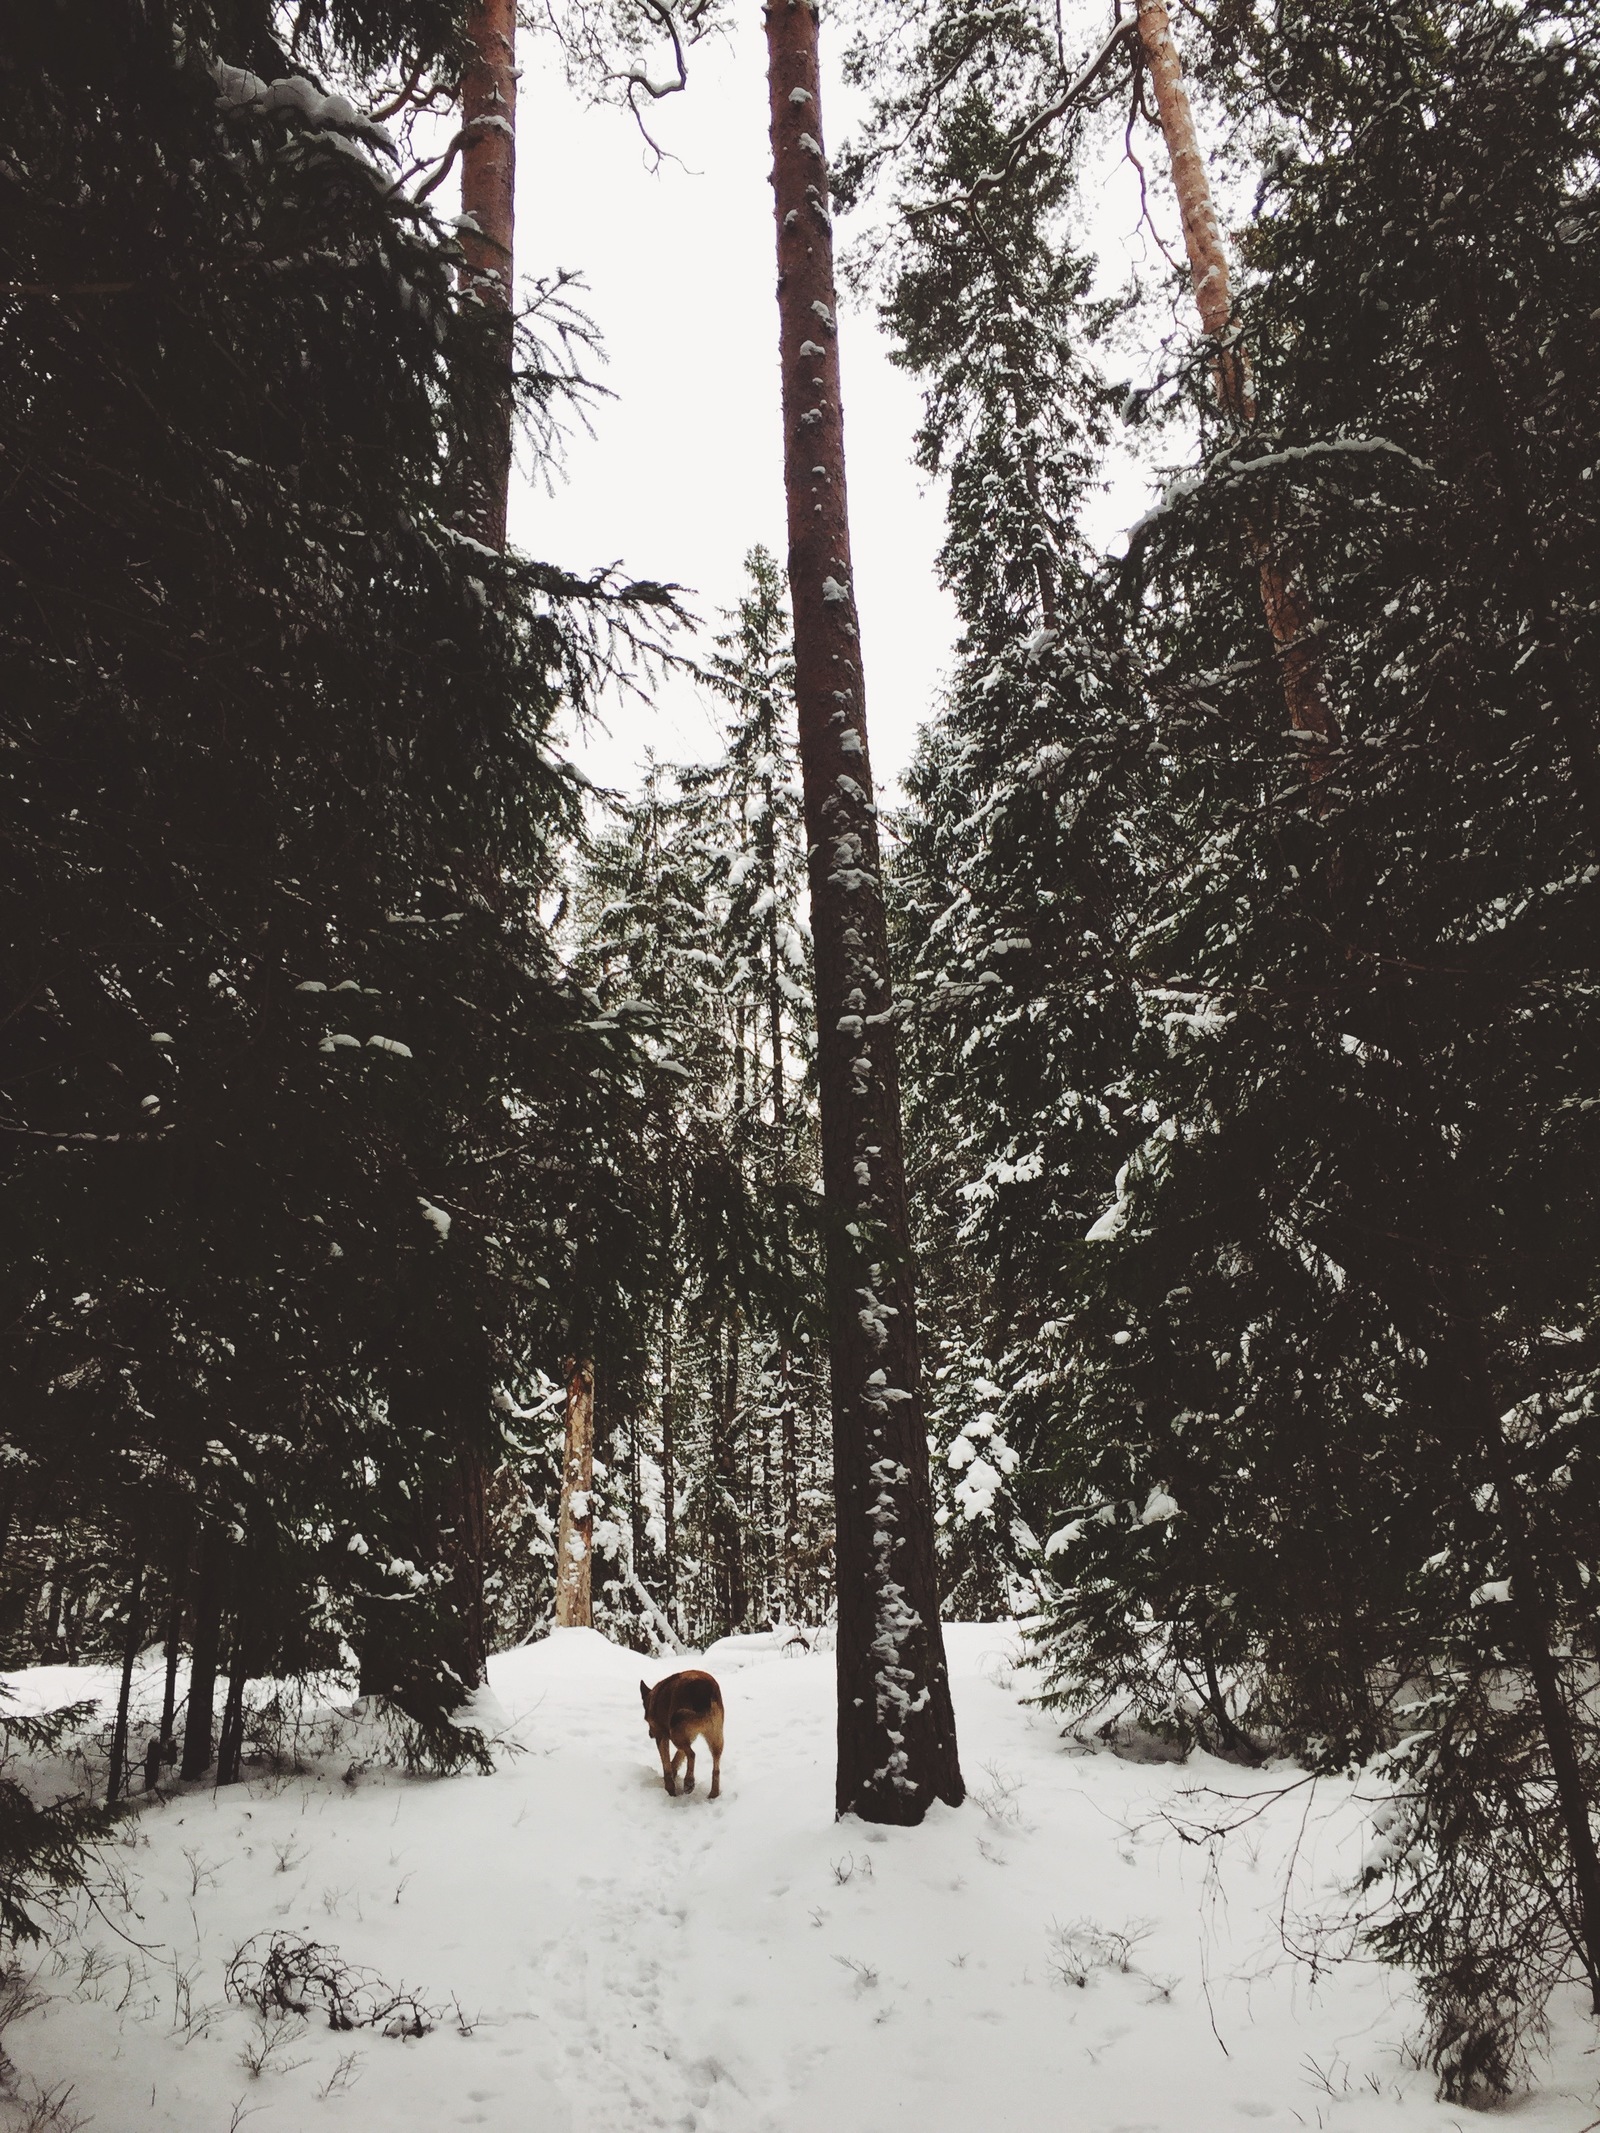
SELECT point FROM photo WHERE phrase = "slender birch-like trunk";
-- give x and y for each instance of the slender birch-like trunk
(1283, 595)
(669, 1465)
(727, 1541)
(130, 1652)
(897, 1739)
(574, 1531)
(169, 1686)
(635, 1493)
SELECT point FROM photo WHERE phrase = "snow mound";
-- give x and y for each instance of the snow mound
(566, 1655)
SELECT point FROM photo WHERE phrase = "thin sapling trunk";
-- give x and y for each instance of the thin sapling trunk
(130, 1651)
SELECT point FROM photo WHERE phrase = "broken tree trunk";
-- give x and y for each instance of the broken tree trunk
(897, 1739)
(575, 1527)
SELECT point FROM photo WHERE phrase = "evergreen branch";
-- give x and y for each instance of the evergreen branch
(993, 180)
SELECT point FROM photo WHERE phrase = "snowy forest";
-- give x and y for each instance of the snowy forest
(1082, 1258)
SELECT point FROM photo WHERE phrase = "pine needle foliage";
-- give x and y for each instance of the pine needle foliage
(284, 1029)
(1303, 1372)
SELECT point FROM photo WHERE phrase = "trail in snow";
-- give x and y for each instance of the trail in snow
(627, 1961)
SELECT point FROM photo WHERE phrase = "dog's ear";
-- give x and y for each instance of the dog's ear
(644, 1696)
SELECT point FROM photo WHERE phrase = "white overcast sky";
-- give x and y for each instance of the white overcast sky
(684, 470)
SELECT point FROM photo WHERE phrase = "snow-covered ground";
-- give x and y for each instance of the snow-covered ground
(1054, 1956)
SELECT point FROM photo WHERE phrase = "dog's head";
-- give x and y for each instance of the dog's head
(644, 1698)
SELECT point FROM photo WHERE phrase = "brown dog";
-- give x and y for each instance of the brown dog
(679, 1710)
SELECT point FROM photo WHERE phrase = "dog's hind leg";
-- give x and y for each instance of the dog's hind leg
(714, 1737)
(688, 1780)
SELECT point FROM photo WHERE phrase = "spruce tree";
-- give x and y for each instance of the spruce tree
(1315, 1378)
(266, 1013)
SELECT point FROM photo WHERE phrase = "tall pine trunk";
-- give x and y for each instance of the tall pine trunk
(486, 403)
(488, 174)
(897, 1737)
(1283, 596)
(574, 1530)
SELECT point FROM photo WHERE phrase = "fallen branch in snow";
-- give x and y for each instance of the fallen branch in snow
(667, 1638)
(294, 1973)
(1255, 1804)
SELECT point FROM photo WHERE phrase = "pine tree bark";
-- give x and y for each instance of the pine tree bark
(488, 179)
(1283, 595)
(441, 1376)
(486, 401)
(465, 1540)
(169, 1690)
(230, 1742)
(198, 1739)
(575, 1527)
(897, 1739)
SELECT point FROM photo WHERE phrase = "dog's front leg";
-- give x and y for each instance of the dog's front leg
(666, 1768)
